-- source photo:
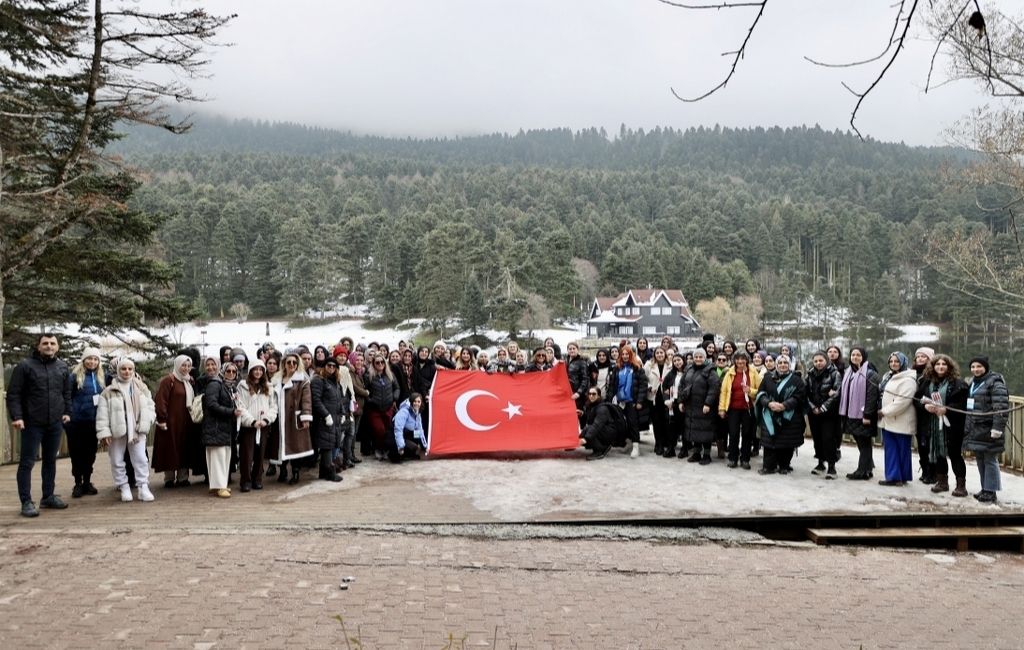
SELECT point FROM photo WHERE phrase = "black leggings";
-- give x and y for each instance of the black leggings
(741, 434)
(827, 436)
(954, 441)
(632, 421)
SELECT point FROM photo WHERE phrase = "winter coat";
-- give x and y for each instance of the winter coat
(605, 424)
(579, 376)
(290, 438)
(725, 390)
(403, 380)
(328, 402)
(956, 397)
(219, 422)
(383, 393)
(256, 406)
(406, 419)
(359, 390)
(173, 446)
(83, 404)
(819, 384)
(423, 376)
(855, 426)
(40, 391)
(989, 394)
(112, 410)
(639, 392)
(897, 414)
(655, 380)
(700, 388)
(788, 425)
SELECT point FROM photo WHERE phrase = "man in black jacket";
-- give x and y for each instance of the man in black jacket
(39, 401)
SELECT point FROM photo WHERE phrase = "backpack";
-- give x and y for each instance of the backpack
(195, 409)
(618, 419)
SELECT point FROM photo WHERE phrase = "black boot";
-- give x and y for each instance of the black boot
(282, 476)
(272, 469)
(87, 486)
(295, 475)
(327, 471)
(76, 492)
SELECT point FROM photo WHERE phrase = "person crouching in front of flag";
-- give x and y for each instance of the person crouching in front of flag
(627, 386)
(409, 438)
(604, 426)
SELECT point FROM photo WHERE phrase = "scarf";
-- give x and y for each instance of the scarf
(854, 392)
(937, 446)
(780, 395)
(179, 361)
(132, 407)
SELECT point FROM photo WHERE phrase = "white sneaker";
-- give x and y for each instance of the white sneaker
(126, 493)
(145, 494)
(636, 450)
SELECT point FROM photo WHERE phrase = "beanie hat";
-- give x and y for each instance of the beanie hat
(440, 344)
(982, 359)
(91, 352)
(926, 351)
(339, 350)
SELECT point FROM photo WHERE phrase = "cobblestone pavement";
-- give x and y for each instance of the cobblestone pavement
(264, 588)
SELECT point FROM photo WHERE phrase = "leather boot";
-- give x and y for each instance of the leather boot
(961, 487)
(941, 483)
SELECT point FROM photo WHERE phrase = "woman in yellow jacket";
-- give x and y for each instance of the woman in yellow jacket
(735, 404)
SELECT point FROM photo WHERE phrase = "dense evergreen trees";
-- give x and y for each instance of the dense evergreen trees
(424, 227)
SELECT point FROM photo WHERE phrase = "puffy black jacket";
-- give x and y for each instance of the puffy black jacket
(789, 434)
(328, 399)
(605, 425)
(40, 391)
(383, 392)
(639, 392)
(819, 384)
(218, 415)
(990, 394)
(700, 387)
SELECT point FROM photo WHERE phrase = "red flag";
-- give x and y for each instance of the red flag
(473, 412)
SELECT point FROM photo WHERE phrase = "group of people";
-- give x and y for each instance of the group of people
(748, 399)
(284, 412)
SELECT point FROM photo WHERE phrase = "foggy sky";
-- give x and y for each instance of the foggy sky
(463, 67)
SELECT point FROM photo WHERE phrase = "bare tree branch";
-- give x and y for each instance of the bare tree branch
(738, 53)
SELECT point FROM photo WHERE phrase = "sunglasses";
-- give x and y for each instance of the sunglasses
(291, 362)
(378, 363)
(721, 359)
(592, 394)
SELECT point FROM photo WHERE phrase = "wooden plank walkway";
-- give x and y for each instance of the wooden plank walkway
(961, 534)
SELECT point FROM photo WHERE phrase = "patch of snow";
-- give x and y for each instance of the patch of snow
(940, 559)
(918, 333)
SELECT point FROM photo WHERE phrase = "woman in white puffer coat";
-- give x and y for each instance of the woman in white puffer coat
(124, 415)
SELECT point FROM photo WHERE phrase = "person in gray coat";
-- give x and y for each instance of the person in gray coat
(984, 429)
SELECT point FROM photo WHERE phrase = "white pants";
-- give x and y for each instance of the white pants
(137, 452)
(218, 463)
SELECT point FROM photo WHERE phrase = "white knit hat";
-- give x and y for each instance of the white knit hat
(91, 352)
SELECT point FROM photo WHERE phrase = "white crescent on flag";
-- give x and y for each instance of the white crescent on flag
(462, 410)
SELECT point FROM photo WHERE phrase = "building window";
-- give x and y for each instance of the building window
(592, 331)
(625, 329)
(650, 330)
(673, 330)
(634, 311)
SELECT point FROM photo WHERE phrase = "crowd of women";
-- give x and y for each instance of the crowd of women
(750, 399)
(282, 413)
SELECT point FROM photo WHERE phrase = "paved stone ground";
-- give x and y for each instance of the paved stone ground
(247, 588)
(264, 569)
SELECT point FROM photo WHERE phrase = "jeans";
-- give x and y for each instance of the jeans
(32, 436)
(988, 470)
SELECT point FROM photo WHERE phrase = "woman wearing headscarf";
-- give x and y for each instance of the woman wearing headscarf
(123, 416)
(175, 431)
(87, 382)
(858, 408)
(984, 429)
(780, 414)
(258, 404)
(599, 368)
(699, 395)
(922, 356)
(289, 440)
(220, 417)
(898, 419)
(940, 390)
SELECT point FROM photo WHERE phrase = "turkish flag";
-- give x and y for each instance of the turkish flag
(471, 411)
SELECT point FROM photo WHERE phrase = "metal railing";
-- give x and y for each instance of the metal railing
(1012, 458)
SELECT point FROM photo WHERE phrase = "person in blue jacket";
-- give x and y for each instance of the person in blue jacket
(87, 382)
(409, 437)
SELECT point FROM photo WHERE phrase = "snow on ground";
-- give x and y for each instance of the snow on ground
(552, 486)
(918, 333)
(252, 334)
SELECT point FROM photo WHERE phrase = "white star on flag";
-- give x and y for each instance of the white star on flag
(512, 410)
